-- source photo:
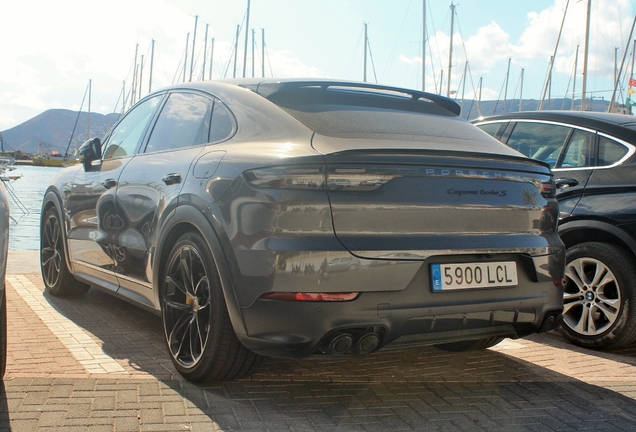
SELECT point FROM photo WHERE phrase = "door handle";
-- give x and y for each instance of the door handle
(171, 179)
(109, 183)
(563, 183)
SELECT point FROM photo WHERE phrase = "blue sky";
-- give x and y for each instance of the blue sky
(50, 50)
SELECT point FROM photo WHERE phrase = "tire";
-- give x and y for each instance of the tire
(471, 345)
(58, 280)
(197, 328)
(3, 333)
(599, 308)
(353, 267)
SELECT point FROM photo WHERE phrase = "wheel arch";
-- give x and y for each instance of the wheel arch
(582, 231)
(189, 219)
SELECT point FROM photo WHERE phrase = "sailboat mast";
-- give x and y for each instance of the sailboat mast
(585, 54)
(464, 84)
(556, 46)
(152, 59)
(194, 41)
(576, 61)
(620, 71)
(253, 50)
(238, 32)
(141, 74)
(205, 52)
(506, 89)
(134, 77)
(450, 50)
(247, 28)
(263, 52)
(423, 45)
(88, 119)
(211, 56)
(521, 93)
(364, 74)
(185, 61)
(479, 99)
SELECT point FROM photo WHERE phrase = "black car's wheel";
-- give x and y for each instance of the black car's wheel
(58, 280)
(470, 345)
(599, 309)
(3, 334)
(198, 331)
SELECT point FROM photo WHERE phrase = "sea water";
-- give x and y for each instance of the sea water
(24, 231)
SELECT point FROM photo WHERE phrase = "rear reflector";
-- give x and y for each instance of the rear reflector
(309, 296)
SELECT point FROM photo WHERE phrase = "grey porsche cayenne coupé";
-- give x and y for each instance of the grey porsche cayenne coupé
(219, 206)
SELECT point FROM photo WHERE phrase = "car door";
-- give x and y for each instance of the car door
(569, 151)
(150, 184)
(95, 221)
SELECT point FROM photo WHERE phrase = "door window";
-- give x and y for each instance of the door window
(125, 137)
(184, 122)
(539, 141)
(580, 151)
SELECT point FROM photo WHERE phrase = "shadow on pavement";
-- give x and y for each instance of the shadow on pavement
(418, 387)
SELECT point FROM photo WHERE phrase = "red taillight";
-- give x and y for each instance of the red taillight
(548, 188)
(309, 296)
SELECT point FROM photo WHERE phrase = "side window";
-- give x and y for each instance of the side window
(222, 124)
(579, 152)
(184, 121)
(610, 152)
(490, 128)
(125, 137)
(539, 141)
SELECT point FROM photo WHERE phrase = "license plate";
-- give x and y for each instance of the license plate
(473, 275)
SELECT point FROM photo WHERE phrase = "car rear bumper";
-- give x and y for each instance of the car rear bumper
(413, 314)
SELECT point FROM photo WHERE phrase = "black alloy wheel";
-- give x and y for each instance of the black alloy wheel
(58, 280)
(599, 309)
(199, 334)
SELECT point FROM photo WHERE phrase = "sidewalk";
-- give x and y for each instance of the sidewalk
(97, 363)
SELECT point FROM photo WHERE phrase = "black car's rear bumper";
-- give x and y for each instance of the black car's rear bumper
(413, 315)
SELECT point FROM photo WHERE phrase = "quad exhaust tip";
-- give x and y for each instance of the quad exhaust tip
(342, 343)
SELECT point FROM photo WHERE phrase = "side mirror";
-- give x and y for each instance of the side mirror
(90, 151)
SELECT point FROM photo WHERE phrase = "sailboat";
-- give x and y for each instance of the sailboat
(51, 158)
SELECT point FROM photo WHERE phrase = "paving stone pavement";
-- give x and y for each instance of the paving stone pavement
(94, 363)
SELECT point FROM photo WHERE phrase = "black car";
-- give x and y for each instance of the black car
(592, 157)
(217, 205)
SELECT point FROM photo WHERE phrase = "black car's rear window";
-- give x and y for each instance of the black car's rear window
(337, 111)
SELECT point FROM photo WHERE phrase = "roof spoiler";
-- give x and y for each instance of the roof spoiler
(269, 88)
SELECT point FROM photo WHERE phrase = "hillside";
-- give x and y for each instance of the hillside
(54, 128)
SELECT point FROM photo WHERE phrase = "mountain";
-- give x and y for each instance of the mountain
(54, 128)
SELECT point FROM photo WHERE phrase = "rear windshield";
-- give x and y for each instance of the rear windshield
(342, 112)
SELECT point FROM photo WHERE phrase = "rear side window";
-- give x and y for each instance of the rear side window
(539, 141)
(184, 122)
(610, 152)
(222, 125)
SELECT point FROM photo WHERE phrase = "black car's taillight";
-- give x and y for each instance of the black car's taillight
(304, 177)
